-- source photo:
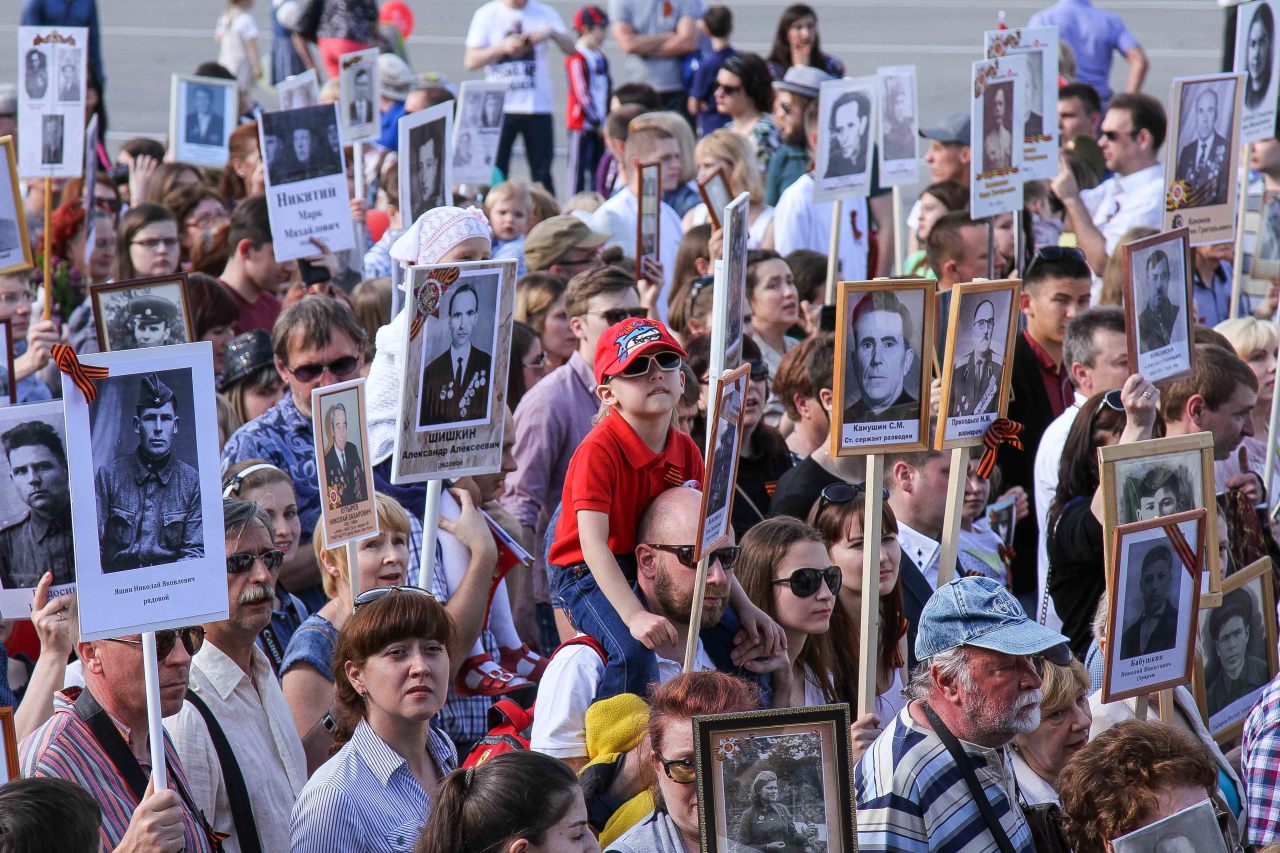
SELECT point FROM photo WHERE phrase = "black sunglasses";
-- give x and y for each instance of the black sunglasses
(614, 316)
(340, 368)
(192, 640)
(1051, 254)
(759, 370)
(371, 595)
(843, 493)
(1113, 135)
(805, 582)
(728, 555)
(639, 366)
(238, 564)
(1110, 400)
(682, 771)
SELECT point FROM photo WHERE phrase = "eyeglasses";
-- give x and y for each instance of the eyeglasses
(639, 366)
(154, 243)
(843, 493)
(340, 368)
(728, 90)
(238, 564)
(682, 771)
(192, 640)
(204, 220)
(614, 316)
(540, 361)
(371, 595)
(726, 556)
(1051, 254)
(13, 300)
(805, 582)
(1113, 135)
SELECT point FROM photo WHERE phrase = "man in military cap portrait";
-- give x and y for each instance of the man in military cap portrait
(151, 320)
(40, 540)
(455, 385)
(149, 500)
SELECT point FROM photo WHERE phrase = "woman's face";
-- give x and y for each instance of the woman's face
(16, 298)
(931, 210)
(570, 834)
(709, 165)
(404, 680)
(102, 254)
(730, 99)
(810, 615)
(281, 505)
(977, 490)
(557, 338)
(846, 552)
(219, 336)
(775, 300)
(154, 249)
(249, 169)
(534, 364)
(681, 800)
(802, 33)
(1263, 365)
(1060, 735)
(206, 217)
(769, 791)
(257, 399)
(383, 559)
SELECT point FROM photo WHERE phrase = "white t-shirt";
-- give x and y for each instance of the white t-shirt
(567, 689)
(234, 32)
(528, 75)
(801, 223)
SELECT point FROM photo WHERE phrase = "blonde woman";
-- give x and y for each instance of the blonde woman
(727, 151)
(680, 194)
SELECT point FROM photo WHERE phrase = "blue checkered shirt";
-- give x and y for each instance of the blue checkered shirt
(283, 436)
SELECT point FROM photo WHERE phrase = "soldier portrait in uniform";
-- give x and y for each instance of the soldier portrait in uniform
(36, 532)
(51, 130)
(1204, 156)
(1159, 315)
(976, 360)
(975, 381)
(141, 313)
(148, 498)
(457, 382)
(343, 465)
(883, 352)
(1158, 322)
(997, 126)
(1155, 585)
(204, 117)
(898, 115)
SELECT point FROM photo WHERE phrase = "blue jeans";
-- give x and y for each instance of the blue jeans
(630, 667)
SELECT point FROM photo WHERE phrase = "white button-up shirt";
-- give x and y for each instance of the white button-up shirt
(922, 550)
(255, 718)
(1123, 202)
(1052, 443)
(801, 223)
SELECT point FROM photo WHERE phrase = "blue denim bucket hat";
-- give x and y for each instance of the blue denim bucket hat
(977, 611)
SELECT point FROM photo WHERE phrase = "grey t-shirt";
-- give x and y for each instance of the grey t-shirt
(653, 17)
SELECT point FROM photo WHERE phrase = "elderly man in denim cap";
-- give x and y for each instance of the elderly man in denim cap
(939, 778)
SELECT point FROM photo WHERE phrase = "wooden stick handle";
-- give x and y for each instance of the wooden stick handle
(48, 261)
(869, 626)
(833, 253)
(950, 546)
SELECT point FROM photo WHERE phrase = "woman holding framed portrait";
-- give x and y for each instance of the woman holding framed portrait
(730, 154)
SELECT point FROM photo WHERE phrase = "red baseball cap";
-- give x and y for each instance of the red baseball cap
(589, 16)
(633, 337)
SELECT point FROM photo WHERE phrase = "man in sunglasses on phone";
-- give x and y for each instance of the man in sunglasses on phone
(235, 728)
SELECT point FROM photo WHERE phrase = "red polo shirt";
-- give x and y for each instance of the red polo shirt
(613, 471)
(1057, 382)
(260, 314)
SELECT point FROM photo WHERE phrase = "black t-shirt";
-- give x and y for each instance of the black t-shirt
(758, 476)
(1076, 574)
(798, 489)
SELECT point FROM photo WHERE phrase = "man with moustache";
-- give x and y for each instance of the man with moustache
(235, 727)
(975, 385)
(41, 539)
(977, 686)
(1158, 323)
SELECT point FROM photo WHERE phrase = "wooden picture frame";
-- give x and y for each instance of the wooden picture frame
(725, 426)
(1266, 267)
(649, 210)
(1230, 720)
(9, 382)
(1177, 343)
(1114, 463)
(1144, 537)
(716, 195)
(107, 313)
(16, 256)
(818, 757)
(10, 745)
(966, 388)
(858, 429)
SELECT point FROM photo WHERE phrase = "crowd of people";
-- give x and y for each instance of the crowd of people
(346, 703)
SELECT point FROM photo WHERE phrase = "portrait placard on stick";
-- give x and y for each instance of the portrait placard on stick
(723, 451)
(1145, 480)
(15, 248)
(90, 182)
(1202, 154)
(884, 332)
(732, 291)
(425, 179)
(51, 81)
(898, 128)
(803, 753)
(1158, 306)
(300, 90)
(1257, 56)
(478, 130)
(977, 361)
(1238, 642)
(1038, 118)
(35, 506)
(1266, 253)
(649, 220)
(306, 177)
(714, 189)
(1154, 595)
(202, 114)
(143, 459)
(360, 95)
(342, 463)
(142, 312)
(995, 166)
(456, 357)
(842, 162)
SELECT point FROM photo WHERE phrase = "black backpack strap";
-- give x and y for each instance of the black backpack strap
(237, 793)
(965, 763)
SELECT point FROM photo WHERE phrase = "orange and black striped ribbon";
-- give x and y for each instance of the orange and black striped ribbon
(81, 374)
(1001, 431)
(1180, 545)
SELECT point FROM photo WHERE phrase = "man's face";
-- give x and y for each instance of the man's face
(1259, 48)
(1156, 576)
(674, 582)
(900, 105)
(1231, 422)
(947, 162)
(155, 427)
(1121, 150)
(882, 357)
(428, 164)
(1163, 502)
(1075, 120)
(272, 143)
(363, 86)
(492, 108)
(590, 326)
(1264, 156)
(340, 345)
(1000, 106)
(984, 324)
(252, 593)
(1158, 281)
(1006, 697)
(340, 429)
(1231, 644)
(202, 100)
(40, 478)
(148, 332)
(1206, 115)
(302, 144)
(847, 124)
(117, 671)
(1110, 366)
(788, 115)
(462, 318)
(667, 154)
(1052, 305)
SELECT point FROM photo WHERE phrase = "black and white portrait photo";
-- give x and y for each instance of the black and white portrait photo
(423, 149)
(1191, 830)
(1159, 322)
(1234, 640)
(1157, 291)
(1204, 142)
(342, 446)
(51, 101)
(1035, 123)
(898, 115)
(302, 150)
(849, 124)
(360, 95)
(35, 497)
(298, 144)
(477, 130)
(202, 116)
(141, 313)
(1266, 255)
(144, 451)
(1151, 626)
(726, 421)
(457, 381)
(205, 120)
(362, 108)
(343, 462)
(981, 340)
(884, 354)
(52, 128)
(1159, 485)
(649, 205)
(997, 127)
(1256, 56)
(15, 249)
(36, 77)
(846, 119)
(300, 90)
(491, 109)
(1002, 519)
(70, 76)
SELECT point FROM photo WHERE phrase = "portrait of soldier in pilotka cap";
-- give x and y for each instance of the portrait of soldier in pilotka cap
(148, 498)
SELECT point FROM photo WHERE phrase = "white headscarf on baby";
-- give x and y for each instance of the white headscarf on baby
(437, 231)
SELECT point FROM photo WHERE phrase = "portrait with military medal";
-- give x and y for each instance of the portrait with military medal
(142, 312)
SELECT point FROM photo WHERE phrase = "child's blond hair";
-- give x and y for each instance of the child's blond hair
(509, 191)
